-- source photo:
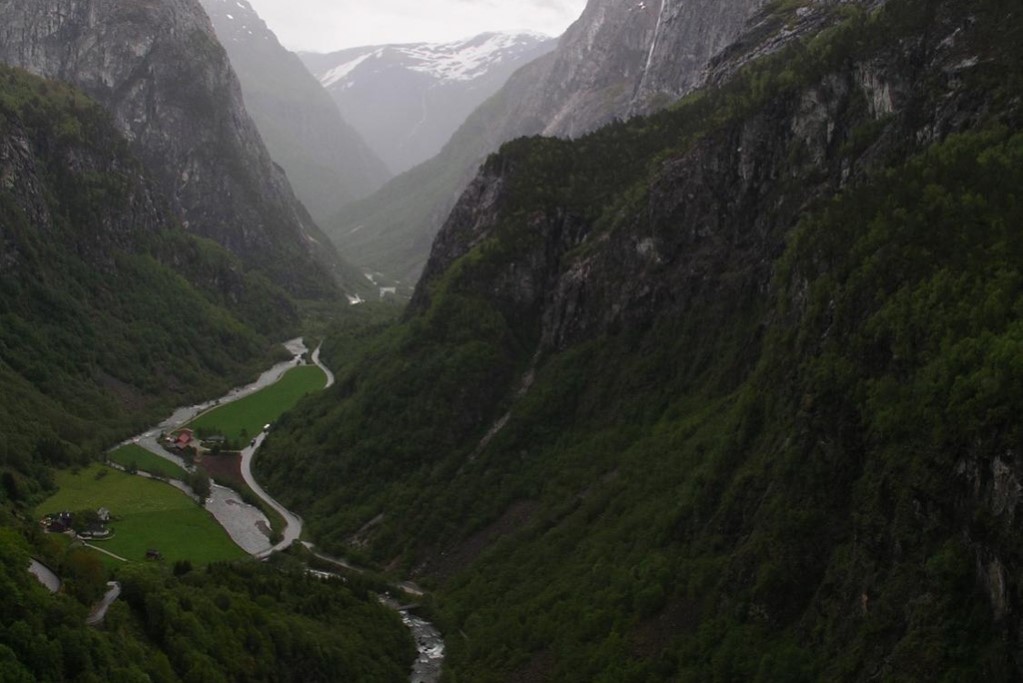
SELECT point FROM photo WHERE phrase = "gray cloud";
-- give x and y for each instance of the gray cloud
(326, 25)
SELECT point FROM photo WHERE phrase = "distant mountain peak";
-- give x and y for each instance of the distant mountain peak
(245, 21)
(467, 60)
(461, 60)
(407, 99)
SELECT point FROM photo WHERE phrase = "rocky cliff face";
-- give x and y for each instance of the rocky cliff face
(687, 36)
(327, 161)
(158, 68)
(34, 162)
(620, 59)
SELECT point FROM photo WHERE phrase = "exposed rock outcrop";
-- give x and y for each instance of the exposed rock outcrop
(158, 69)
(620, 59)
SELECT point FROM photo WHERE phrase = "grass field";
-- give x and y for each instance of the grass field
(245, 418)
(146, 462)
(148, 515)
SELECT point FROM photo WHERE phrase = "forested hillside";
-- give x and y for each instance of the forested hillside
(725, 393)
(111, 315)
(224, 623)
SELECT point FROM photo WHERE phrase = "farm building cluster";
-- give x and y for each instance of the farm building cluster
(190, 445)
(86, 524)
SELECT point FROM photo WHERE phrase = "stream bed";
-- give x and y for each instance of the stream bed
(429, 644)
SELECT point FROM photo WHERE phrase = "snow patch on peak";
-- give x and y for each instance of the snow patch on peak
(340, 72)
(458, 61)
(466, 60)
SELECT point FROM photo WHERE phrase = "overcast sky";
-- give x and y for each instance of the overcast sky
(328, 25)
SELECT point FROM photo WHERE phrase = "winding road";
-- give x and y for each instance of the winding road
(292, 523)
(292, 530)
(46, 576)
(244, 523)
(99, 612)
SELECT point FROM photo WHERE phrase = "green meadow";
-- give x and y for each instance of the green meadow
(125, 456)
(147, 515)
(245, 418)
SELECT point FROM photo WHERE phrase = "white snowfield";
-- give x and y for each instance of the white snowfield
(463, 60)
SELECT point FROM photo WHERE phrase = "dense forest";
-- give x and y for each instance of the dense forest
(248, 622)
(725, 393)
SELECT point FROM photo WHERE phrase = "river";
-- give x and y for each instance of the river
(246, 523)
(429, 644)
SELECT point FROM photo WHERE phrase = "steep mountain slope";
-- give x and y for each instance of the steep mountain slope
(725, 393)
(618, 59)
(407, 100)
(158, 68)
(110, 312)
(326, 160)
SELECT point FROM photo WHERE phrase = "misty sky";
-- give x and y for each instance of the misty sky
(327, 25)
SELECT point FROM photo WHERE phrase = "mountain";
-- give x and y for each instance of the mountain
(159, 70)
(96, 275)
(327, 162)
(726, 392)
(407, 100)
(110, 316)
(617, 60)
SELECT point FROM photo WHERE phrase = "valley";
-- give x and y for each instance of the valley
(693, 355)
(159, 520)
(180, 535)
(147, 515)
